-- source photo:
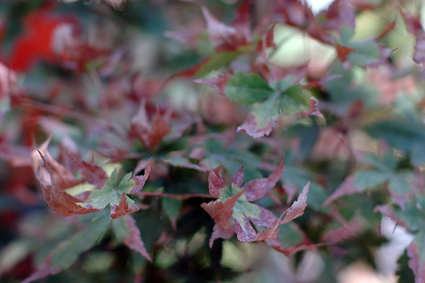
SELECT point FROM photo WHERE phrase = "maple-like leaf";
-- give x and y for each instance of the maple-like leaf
(115, 193)
(68, 251)
(92, 173)
(150, 134)
(286, 97)
(346, 188)
(220, 233)
(220, 211)
(126, 230)
(229, 38)
(243, 210)
(415, 252)
(298, 207)
(59, 201)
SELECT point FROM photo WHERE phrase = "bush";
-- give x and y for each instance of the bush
(168, 141)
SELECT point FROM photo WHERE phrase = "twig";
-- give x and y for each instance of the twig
(180, 197)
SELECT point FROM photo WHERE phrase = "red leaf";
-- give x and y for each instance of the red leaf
(314, 109)
(298, 207)
(133, 240)
(220, 211)
(415, 263)
(35, 43)
(258, 188)
(238, 178)
(269, 233)
(346, 188)
(224, 38)
(249, 127)
(122, 208)
(339, 15)
(219, 232)
(242, 20)
(92, 173)
(60, 201)
(343, 52)
(321, 82)
(245, 233)
(277, 245)
(387, 211)
(215, 184)
(149, 134)
(218, 83)
(141, 180)
(347, 231)
(64, 179)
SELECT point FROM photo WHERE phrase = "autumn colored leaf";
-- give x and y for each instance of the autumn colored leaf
(126, 230)
(242, 208)
(298, 207)
(218, 83)
(149, 133)
(227, 38)
(417, 262)
(293, 101)
(343, 52)
(220, 211)
(115, 193)
(92, 173)
(346, 188)
(59, 201)
(220, 233)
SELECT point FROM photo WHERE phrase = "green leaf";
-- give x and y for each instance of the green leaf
(369, 179)
(244, 89)
(69, 250)
(114, 192)
(171, 207)
(217, 61)
(294, 100)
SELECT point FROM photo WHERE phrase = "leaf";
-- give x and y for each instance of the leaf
(369, 179)
(343, 52)
(69, 250)
(298, 207)
(218, 83)
(244, 89)
(115, 193)
(93, 174)
(258, 188)
(346, 188)
(243, 210)
(126, 230)
(150, 134)
(415, 252)
(294, 100)
(221, 233)
(171, 207)
(59, 201)
(220, 211)
(225, 38)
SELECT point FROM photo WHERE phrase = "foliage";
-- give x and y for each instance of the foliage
(211, 141)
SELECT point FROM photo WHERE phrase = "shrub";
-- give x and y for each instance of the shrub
(168, 141)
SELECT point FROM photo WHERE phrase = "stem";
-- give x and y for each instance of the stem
(180, 197)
